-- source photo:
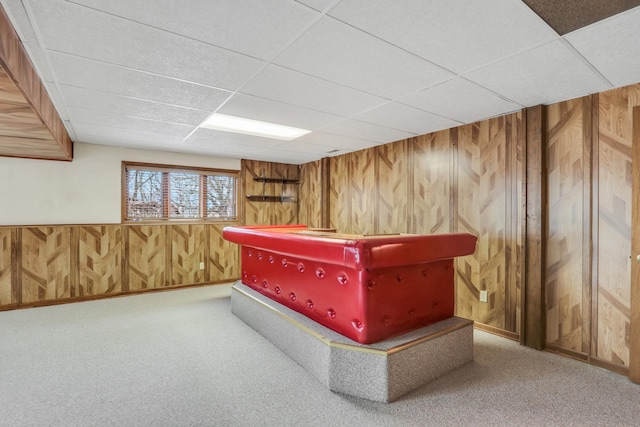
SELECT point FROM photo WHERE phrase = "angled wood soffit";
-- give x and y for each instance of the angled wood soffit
(29, 124)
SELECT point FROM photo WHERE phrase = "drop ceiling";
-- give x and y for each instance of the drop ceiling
(357, 73)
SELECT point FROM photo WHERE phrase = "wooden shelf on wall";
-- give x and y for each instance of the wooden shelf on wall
(282, 180)
(260, 198)
(264, 198)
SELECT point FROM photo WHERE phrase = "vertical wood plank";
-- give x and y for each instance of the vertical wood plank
(481, 210)
(16, 265)
(310, 200)
(224, 256)
(340, 194)
(533, 334)
(564, 239)
(147, 262)
(391, 183)
(587, 237)
(285, 212)
(325, 176)
(595, 219)
(45, 263)
(256, 213)
(614, 223)
(187, 252)
(100, 259)
(432, 182)
(634, 335)
(363, 192)
(5, 267)
(74, 261)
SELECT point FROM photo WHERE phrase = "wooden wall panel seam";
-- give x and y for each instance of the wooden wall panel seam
(634, 334)
(595, 150)
(587, 247)
(535, 325)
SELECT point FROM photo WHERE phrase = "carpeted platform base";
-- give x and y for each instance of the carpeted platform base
(381, 372)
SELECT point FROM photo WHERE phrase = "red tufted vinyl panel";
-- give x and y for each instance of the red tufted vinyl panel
(366, 288)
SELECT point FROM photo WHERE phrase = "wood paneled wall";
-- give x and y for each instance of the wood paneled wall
(613, 223)
(269, 212)
(567, 278)
(487, 205)
(49, 264)
(464, 179)
(313, 201)
(472, 178)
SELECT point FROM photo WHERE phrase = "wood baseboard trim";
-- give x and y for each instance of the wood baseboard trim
(622, 370)
(594, 361)
(497, 331)
(108, 296)
(572, 354)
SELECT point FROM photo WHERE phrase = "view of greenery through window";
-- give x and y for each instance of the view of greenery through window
(154, 192)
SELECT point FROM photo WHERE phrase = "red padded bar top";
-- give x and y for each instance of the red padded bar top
(353, 251)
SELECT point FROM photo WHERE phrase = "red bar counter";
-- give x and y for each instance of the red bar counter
(367, 288)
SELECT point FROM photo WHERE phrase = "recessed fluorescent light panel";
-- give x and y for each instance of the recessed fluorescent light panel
(253, 127)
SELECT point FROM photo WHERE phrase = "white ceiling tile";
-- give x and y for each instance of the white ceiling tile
(367, 131)
(319, 5)
(20, 20)
(259, 28)
(478, 32)
(89, 74)
(95, 134)
(338, 141)
(231, 139)
(402, 117)
(305, 147)
(292, 87)
(81, 31)
(134, 107)
(100, 118)
(461, 100)
(612, 46)
(252, 107)
(342, 54)
(544, 75)
(283, 156)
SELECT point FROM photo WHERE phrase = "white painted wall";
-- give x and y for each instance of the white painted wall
(85, 191)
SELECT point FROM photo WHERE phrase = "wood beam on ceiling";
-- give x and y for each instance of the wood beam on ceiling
(29, 123)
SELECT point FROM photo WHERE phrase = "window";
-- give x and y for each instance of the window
(161, 192)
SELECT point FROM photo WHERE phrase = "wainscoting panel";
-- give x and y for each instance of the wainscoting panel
(187, 252)
(614, 223)
(393, 197)
(147, 263)
(481, 210)
(431, 182)
(100, 260)
(565, 238)
(46, 268)
(6, 295)
(224, 256)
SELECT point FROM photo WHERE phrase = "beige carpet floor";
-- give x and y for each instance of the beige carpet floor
(180, 358)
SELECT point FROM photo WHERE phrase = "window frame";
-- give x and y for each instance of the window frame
(166, 192)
